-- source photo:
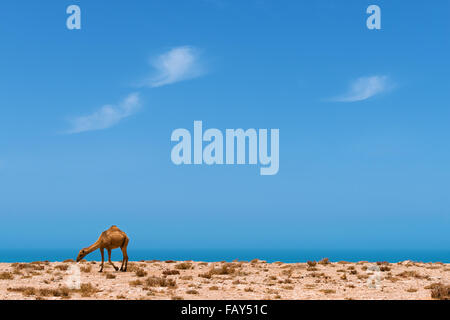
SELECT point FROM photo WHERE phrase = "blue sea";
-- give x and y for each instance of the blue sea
(209, 255)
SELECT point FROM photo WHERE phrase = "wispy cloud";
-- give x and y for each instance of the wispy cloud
(176, 65)
(107, 116)
(364, 88)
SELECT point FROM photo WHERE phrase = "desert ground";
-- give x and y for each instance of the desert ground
(256, 279)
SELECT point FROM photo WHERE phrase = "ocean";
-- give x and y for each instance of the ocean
(209, 255)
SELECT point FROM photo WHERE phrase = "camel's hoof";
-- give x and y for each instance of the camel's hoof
(100, 270)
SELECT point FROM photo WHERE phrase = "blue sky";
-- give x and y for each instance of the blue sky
(363, 118)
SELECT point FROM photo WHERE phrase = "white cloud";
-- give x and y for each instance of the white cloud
(178, 64)
(364, 88)
(107, 116)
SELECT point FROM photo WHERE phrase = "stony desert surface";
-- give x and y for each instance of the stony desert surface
(225, 280)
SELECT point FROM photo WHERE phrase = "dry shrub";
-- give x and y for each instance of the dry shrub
(133, 267)
(110, 276)
(226, 269)
(206, 275)
(87, 290)
(6, 276)
(140, 273)
(136, 283)
(392, 279)
(69, 260)
(17, 272)
(160, 282)
(440, 291)
(26, 291)
(411, 290)
(169, 261)
(318, 275)
(28, 266)
(384, 266)
(249, 289)
(285, 281)
(214, 288)
(170, 272)
(86, 269)
(183, 266)
(287, 272)
(311, 263)
(63, 292)
(192, 291)
(328, 291)
(186, 278)
(177, 298)
(433, 267)
(62, 267)
(288, 287)
(324, 261)
(413, 274)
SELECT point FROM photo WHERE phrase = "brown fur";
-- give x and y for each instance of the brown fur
(110, 239)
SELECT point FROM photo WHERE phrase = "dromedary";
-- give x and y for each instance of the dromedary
(110, 239)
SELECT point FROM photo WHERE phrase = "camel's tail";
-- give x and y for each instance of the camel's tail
(125, 242)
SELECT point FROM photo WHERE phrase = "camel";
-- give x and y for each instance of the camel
(110, 239)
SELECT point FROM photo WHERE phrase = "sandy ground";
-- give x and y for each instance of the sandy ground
(220, 280)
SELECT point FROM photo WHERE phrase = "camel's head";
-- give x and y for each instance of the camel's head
(81, 254)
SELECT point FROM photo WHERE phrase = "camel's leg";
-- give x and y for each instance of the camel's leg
(109, 260)
(125, 255)
(103, 259)
(125, 259)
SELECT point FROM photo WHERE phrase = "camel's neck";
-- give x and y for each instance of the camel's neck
(93, 247)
